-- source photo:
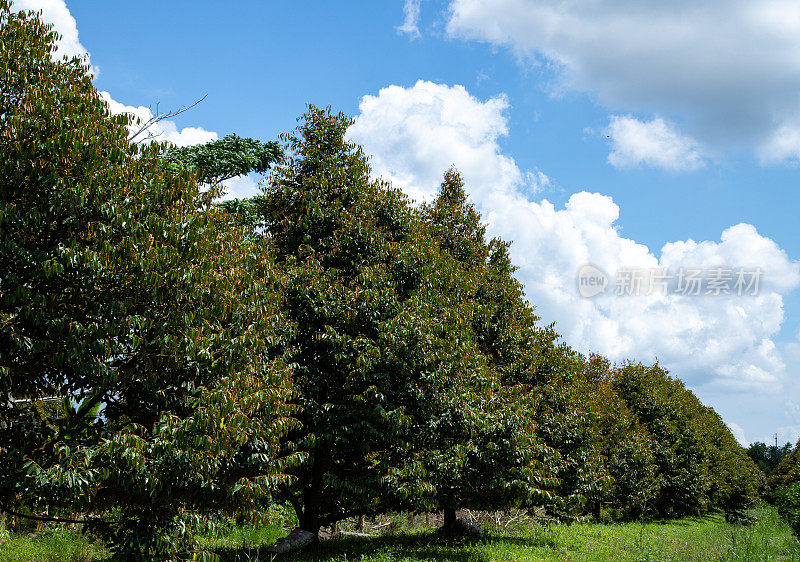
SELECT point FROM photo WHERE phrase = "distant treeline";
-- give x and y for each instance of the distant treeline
(766, 456)
(327, 345)
(783, 480)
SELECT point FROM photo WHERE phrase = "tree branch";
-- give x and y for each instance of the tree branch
(157, 118)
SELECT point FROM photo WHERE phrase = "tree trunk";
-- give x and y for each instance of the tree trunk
(307, 531)
(312, 497)
(449, 523)
(310, 519)
(455, 526)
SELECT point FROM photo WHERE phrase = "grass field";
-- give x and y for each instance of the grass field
(705, 538)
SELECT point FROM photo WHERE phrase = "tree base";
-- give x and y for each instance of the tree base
(295, 541)
(463, 527)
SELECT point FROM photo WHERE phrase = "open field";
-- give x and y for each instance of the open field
(702, 538)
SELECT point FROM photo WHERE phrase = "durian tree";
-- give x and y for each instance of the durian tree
(497, 461)
(388, 365)
(133, 305)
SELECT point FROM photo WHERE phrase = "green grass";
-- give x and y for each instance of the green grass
(242, 539)
(52, 545)
(702, 538)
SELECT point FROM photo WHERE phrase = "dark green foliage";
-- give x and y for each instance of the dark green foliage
(219, 160)
(135, 304)
(787, 470)
(566, 422)
(456, 224)
(370, 296)
(766, 456)
(245, 212)
(635, 440)
(660, 404)
(625, 447)
(493, 459)
(700, 465)
(735, 480)
(787, 500)
(401, 358)
(783, 488)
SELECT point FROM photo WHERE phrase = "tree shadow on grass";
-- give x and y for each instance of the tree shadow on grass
(688, 520)
(425, 546)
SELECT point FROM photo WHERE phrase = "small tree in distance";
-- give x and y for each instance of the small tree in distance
(220, 160)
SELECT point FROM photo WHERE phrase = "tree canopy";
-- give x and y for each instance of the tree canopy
(766, 456)
(377, 326)
(133, 302)
(220, 160)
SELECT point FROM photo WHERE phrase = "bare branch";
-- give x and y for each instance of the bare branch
(156, 118)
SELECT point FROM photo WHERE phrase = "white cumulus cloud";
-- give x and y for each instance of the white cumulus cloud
(729, 68)
(414, 134)
(240, 187)
(653, 143)
(166, 130)
(782, 144)
(55, 12)
(788, 434)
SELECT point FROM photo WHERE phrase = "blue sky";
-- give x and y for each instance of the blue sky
(588, 132)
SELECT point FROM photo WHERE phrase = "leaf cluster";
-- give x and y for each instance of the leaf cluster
(228, 157)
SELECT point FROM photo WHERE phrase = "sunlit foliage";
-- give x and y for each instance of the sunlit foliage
(126, 297)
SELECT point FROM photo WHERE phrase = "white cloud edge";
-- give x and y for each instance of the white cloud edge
(656, 143)
(55, 12)
(410, 25)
